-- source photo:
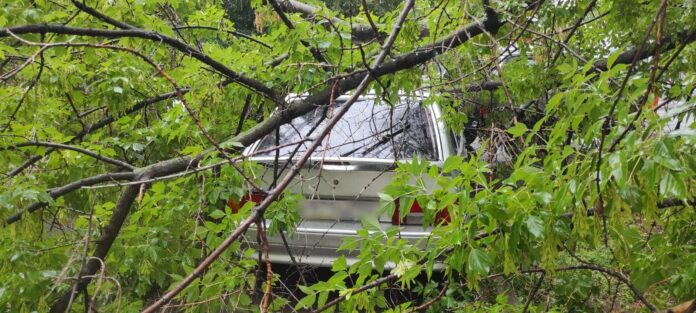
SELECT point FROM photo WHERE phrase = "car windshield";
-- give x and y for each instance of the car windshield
(367, 130)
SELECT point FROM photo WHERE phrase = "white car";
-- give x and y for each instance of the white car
(341, 181)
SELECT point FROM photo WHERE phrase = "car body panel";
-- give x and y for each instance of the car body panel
(338, 192)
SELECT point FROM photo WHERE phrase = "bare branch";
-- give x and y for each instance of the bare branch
(432, 301)
(533, 292)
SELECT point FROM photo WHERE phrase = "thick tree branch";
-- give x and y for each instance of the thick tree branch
(626, 57)
(668, 43)
(112, 229)
(359, 32)
(62, 190)
(109, 234)
(250, 83)
(92, 154)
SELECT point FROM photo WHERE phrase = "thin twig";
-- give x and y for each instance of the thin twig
(432, 301)
(261, 227)
(232, 32)
(533, 292)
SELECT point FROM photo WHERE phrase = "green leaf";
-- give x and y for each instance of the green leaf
(217, 214)
(612, 58)
(452, 163)
(339, 264)
(671, 185)
(306, 302)
(554, 101)
(535, 226)
(371, 223)
(385, 197)
(518, 130)
(479, 262)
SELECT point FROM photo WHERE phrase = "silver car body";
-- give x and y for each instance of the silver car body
(337, 190)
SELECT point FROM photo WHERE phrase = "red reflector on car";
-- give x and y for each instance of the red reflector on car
(441, 217)
(255, 197)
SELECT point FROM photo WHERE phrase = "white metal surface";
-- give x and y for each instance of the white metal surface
(338, 191)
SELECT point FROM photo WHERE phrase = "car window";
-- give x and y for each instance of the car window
(365, 131)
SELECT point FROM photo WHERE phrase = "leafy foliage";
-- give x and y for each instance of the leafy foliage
(600, 165)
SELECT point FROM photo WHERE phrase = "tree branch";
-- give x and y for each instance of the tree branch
(418, 56)
(103, 244)
(669, 43)
(99, 15)
(112, 229)
(374, 283)
(62, 190)
(359, 32)
(96, 126)
(92, 154)
(533, 292)
(231, 32)
(424, 306)
(250, 83)
(621, 277)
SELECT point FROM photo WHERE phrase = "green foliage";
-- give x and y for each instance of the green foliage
(558, 201)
